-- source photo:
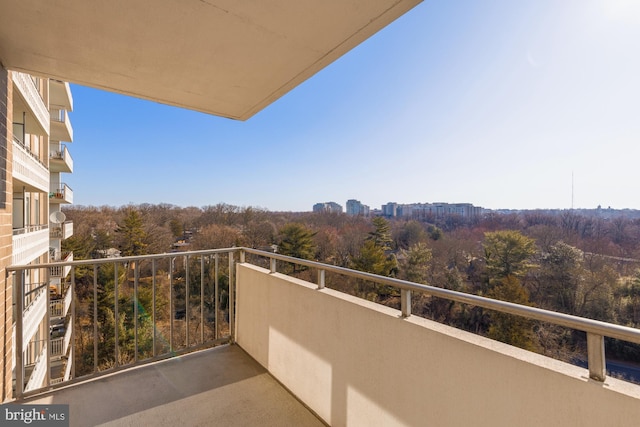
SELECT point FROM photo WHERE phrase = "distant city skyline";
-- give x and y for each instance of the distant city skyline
(491, 103)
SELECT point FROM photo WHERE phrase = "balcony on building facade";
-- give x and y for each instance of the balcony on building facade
(61, 193)
(60, 94)
(37, 370)
(349, 360)
(29, 243)
(61, 231)
(34, 311)
(60, 344)
(60, 160)
(30, 102)
(60, 303)
(28, 170)
(61, 129)
(62, 270)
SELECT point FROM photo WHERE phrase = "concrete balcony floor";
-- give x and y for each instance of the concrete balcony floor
(218, 386)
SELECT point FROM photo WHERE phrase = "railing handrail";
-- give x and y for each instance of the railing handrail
(581, 323)
(123, 259)
(61, 187)
(596, 330)
(27, 150)
(29, 229)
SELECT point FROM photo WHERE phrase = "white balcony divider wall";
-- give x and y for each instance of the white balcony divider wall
(354, 362)
(36, 380)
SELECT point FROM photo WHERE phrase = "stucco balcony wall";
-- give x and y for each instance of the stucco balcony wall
(354, 363)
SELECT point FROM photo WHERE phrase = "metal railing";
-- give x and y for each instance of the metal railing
(155, 307)
(29, 229)
(31, 292)
(596, 330)
(58, 305)
(187, 272)
(58, 114)
(62, 192)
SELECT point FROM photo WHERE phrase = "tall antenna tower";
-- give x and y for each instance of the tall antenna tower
(571, 190)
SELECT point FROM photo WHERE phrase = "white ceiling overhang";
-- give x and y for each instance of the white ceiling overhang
(230, 58)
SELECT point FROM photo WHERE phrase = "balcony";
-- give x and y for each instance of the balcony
(61, 194)
(61, 129)
(350, 361)
(61, 231)
(59, 305)
(60, 160)
(60, 345)
(30, 102)
(29, 243)
(34, 311)
(28, 170)
(60, 94)
(62, 270)
(38, 371)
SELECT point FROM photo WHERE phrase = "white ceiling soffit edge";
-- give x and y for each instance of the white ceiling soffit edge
(229, 58)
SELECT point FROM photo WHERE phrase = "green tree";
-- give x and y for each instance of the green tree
(414, 265)
(132, 235)
(176, 227)
(381, 236)
(411, 234)
(630, 292)
(373, 259)
(296, 240)
(434, 232)
(561, 277)
(508, 253)
(510, 329)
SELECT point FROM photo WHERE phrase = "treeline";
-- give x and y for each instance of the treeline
(580, 265)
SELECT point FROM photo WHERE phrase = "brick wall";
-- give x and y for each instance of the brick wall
(6, 233)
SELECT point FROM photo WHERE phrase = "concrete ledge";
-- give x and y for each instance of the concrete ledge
(354, 362)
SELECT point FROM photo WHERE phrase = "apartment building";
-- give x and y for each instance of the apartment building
(329, 207)
(355, 207)
(34, 129)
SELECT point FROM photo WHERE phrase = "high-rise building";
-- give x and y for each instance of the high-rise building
(329, 207)
(354, 207)
(34, 128)
(390, 210)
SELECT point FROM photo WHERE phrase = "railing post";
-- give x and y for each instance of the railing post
(405, 302)
(202, 299)
(136, 277)
(216, 297)
(272, 264)
(186, 301)
(153, 302)
(95, 318)
(595, 357)
(232, 299)
(321, 279)
(72, 319)
(47, 328)
(171, 314)
(242, 257)
(19, 284)
(115, 312)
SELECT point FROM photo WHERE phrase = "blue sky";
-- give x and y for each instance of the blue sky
(495, 103)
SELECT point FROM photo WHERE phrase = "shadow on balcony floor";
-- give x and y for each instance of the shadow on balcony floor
(219, 386)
